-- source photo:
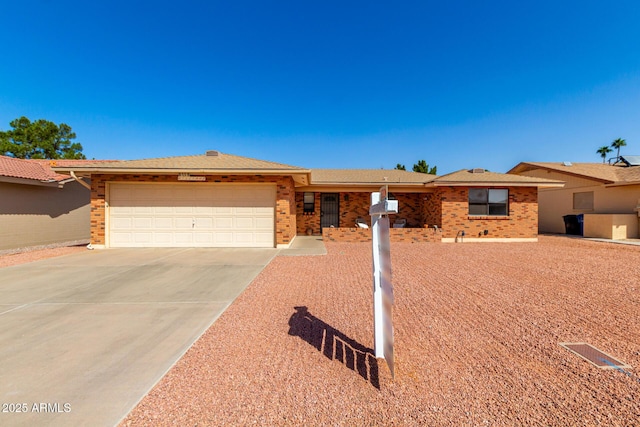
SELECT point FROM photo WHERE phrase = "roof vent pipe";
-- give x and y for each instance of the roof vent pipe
(477, 170)
(212, 153)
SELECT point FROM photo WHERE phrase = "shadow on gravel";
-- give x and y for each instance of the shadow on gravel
(335, 345)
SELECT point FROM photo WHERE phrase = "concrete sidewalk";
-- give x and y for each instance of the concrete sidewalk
(84, 337)
(305, 245)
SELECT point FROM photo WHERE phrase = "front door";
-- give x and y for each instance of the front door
(329, 210)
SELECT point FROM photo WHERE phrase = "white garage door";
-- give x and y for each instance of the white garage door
(191, 215)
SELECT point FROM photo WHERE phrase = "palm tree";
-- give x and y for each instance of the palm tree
(617, 144)
(603, 151)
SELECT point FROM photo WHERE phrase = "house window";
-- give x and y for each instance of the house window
(489, 201)
(583, 201)
(309, 202)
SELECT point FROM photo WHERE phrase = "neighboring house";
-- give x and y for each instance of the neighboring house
(223, 200)
(39, 206)
(608, 196)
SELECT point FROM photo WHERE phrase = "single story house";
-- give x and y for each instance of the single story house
(606, 196)
(223, 200)
(39, 206)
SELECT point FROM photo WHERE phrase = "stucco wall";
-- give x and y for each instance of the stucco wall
(554, 203)
(35, 215)
(611, 226)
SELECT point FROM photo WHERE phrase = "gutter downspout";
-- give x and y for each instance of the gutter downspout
(84, 184)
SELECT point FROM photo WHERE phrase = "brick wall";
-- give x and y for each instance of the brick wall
(285, 227)
(306, 222)
(357, 235)
(432, 209)
(354, 205)
(522, 221)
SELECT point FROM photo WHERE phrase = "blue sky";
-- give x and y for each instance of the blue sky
(331, 84)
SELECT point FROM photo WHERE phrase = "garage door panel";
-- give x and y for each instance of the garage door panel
(203, 210)
(183, 239)
(122, 223)
(223, 238)
(142, 237)
(162, 239)
(204, 215)
(244, 211)
(246, 223)
(264, 239)
(203, 239)
(244, 237)
(204, 223)
(183, 223)
(142, 222)
(223, 223)
(264, 224)
(223, 210)
(163, 222)
(183, 210)
(144, 210)
(263, 211)
(118, 238)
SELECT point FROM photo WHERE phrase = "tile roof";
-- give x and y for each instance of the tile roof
(471, 177)
(37, 170)
(368, 176)
(197, 163)
(608, 174)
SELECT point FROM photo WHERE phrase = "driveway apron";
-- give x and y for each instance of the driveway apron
(84, 337)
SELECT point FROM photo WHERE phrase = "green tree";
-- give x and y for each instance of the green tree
(603, 151)
(40, 139)
(617, 144)
(423, 167)
(400, 167)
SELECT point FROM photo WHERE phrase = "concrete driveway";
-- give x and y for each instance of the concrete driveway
(84, 337)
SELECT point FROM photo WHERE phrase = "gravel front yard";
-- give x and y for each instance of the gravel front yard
(477, 330)
(26, 255)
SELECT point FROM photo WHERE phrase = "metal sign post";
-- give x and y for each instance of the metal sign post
(381, 206)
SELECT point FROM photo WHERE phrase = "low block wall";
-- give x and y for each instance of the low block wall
(611, 226)
(356, 235)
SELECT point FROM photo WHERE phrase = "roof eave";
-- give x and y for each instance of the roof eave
(29, 181)
(622, 184)
(417, 184)
(496, 184)
(165, 171)
(361, 187)
(525, 167)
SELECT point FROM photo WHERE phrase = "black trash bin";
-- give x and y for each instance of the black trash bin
(580, 218)
(571, 225)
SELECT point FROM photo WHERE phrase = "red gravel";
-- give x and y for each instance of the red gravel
(25, 256)
(477, 329)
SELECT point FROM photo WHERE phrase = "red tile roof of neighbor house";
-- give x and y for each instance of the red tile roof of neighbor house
(602, 172)
(36, 169)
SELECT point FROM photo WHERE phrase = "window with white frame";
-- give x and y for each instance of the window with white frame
(489, 201)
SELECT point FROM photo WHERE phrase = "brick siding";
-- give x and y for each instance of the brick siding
(447, 208)
(285, 227)
(522, 221)
(405, 235)
(354, 205)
